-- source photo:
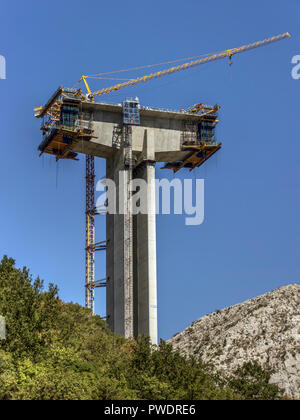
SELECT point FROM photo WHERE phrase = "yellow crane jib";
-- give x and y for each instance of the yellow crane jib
(42, 111)
(224, 54)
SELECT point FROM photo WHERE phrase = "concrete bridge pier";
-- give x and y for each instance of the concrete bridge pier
(181, 140)
(131, 250)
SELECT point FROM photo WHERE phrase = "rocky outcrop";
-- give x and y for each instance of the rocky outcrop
(2, 328)
(265, 329)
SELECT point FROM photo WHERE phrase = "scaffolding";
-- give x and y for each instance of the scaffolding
(198, 138)
(90, 233)
(91, 245)
(131, 116)
(190, 133)
(128, 232)
(62, 126)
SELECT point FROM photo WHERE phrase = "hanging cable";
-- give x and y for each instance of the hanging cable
(106, 78)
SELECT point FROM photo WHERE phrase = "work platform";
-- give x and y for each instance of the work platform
(131, 147)
(96, 129)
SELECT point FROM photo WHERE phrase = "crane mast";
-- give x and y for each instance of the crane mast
(90, 233)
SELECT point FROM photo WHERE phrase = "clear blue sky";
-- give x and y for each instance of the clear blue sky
(250, 242)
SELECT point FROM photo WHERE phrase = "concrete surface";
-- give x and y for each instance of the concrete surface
(143, 289)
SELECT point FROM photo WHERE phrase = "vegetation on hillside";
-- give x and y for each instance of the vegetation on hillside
(58, 351)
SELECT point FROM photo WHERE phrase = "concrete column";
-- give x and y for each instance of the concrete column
(115, 254)
(144, 262)
(145, 266)
(110, 312)
(144, 251)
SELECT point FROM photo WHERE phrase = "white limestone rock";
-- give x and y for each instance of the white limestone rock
(265, 329)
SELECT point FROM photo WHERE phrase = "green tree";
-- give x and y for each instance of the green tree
(253, 383)
(59, 351)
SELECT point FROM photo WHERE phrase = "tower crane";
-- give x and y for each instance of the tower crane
(59, 137)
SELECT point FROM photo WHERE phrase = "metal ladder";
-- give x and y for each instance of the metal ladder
(128, 233)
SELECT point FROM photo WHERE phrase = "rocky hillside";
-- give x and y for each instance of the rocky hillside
(265, 329)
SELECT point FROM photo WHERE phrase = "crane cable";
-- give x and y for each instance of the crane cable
(98, 76)
(91, 76)
(202, 59)
(227, 53)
